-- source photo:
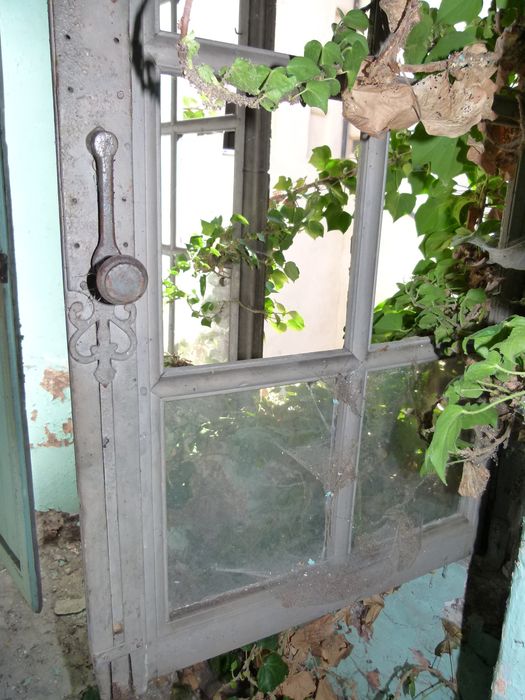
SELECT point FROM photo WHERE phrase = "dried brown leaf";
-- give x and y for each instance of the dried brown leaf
(375, 108)
(335, 649)
(309, 638)
(451, 109)
(452, 630)
(394, 11)
(374, 679)
(195, 676)
(325, 690)
(474, 480)
(373, 607)
(298, 686)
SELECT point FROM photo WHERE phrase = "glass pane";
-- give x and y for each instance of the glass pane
(320, 293)
(205, 171)
(316, 23)
(209, 20)
(245, 487)
(393, 500)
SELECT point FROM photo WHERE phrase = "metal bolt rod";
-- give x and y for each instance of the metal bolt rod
(103, 145)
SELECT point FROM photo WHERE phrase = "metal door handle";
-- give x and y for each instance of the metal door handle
(119, 279)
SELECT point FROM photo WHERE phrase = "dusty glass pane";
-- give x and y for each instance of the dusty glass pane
(319, 295)
(245, 487)
(393, 500)
(205, 172)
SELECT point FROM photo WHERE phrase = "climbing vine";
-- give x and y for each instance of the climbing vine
(449, 173)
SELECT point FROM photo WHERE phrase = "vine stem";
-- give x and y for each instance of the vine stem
(185, 19)
(510, 397)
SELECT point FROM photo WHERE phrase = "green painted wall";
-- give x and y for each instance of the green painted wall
(29, 119)
(509, 676)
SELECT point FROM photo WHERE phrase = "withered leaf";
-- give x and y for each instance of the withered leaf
(451, 109)
(474, 480)
(325, 690)
(452, 630)
(298, 686)
(309, 638)
(394, 11)
(195, 676)
(375, 108)
(373, 607)
(335, 649)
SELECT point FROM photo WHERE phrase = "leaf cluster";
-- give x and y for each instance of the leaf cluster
(311, 78)
(442, 298)
(483, 395)
(313, 207)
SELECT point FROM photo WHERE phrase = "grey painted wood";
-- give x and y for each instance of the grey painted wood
(119, 434)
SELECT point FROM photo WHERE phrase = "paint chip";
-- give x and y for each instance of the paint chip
(55, 381)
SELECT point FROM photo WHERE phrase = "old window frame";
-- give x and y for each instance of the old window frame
(442, 541)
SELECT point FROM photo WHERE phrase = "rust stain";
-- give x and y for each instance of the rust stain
(55, 381)
(67, 427)
(34, 414)
(53, 441)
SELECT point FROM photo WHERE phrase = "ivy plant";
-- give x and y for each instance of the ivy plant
(444, 173)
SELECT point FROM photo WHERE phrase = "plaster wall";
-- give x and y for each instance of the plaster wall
(509, 676)
(29, 126)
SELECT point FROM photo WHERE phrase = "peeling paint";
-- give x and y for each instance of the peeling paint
(55, 381)
(34, 415)
(67, 427)
(500, 686)
(52, 440)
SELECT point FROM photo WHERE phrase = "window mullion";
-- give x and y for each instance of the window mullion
(373, 159)
(351, 388)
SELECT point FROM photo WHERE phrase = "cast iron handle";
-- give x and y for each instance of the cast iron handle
(119, 279)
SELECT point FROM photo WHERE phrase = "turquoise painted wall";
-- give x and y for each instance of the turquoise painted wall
(29, 120)
(509, 676)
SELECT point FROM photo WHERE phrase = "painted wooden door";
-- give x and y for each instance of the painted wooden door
(220, 502)
(18, 547)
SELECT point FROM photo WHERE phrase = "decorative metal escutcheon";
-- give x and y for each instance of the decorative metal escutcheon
(119, 279)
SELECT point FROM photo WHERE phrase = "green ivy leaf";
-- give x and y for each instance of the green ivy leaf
(277, 85)
(452, 41)
(291, 270)
(331, 54)
(352, 58)
(317, 94)
(312, 50)
(320, 157)
(314, 229)
(356, 19)
(454, 11)
(296, 321)
(246, 76)
(239, 218)
(303, 69)
(206, 73)
(444, 439)
(478, 414)
(418, 41)
(441, 152)
(400, 204)
(337, 219)
(273, 670)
